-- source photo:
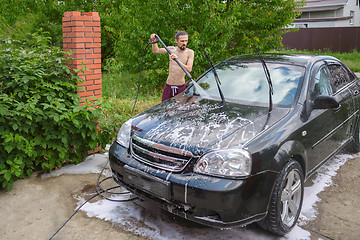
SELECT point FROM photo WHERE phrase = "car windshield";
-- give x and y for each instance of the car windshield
(246, 82)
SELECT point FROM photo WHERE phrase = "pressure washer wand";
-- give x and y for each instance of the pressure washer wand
(158, 39)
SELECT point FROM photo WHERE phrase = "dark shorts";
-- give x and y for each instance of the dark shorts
(172, 90)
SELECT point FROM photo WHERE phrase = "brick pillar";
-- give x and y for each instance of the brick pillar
(82, 37)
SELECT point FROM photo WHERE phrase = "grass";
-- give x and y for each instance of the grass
(351, 59)
(119, 91)
(125, 85)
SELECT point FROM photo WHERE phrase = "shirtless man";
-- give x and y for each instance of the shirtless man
(175, 82)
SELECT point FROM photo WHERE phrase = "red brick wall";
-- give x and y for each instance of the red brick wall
(82, 37)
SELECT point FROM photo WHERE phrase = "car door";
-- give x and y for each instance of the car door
(325, 129)
(345, 88)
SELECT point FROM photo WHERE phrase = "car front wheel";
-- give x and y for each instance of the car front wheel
(286, 200)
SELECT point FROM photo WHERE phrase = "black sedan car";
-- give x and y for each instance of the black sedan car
(237, 145)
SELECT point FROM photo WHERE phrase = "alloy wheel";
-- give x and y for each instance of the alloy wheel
(291, 198)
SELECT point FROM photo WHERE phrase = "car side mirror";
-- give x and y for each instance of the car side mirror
(320, 102)
(325, 102)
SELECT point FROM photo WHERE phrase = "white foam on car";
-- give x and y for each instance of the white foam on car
(144, 219)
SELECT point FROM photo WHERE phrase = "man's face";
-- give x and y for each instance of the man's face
(182, 41)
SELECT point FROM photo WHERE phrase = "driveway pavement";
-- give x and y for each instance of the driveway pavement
(39, 205)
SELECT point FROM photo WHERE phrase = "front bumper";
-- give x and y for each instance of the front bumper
(212, 201)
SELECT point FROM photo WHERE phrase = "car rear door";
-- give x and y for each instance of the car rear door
(345, 87)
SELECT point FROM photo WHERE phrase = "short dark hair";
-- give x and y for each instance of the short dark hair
(180, 33)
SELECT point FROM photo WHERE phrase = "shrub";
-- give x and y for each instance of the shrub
(42, 124)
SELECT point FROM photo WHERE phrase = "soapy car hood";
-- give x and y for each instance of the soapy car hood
(194, 124)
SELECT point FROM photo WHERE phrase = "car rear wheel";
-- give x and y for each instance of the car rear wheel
(286, 200)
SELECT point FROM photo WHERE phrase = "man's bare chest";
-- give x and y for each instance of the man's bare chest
(182, 55)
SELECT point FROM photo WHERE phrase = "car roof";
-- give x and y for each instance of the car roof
(293, 59)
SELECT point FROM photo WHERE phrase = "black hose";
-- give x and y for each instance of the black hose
(73, 215)
(137, 93)
(99, 192)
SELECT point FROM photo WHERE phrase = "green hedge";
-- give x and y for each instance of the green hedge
(42, 124)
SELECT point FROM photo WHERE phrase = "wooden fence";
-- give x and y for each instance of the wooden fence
(337, 39)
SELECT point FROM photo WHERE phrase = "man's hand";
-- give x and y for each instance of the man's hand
(153, 37)
(173, 56)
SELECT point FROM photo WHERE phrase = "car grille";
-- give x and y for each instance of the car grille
(158, 155)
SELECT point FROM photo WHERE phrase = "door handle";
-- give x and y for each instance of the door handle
(337, 109)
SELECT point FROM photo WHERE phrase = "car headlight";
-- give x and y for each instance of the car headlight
(225, 163)
(123, 137)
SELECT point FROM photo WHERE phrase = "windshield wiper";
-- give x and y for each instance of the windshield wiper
(267, 74)
(218, 83)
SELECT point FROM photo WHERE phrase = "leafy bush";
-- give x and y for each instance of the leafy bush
(42, 124)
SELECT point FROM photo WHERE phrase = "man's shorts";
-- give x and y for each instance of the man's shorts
(172, 90)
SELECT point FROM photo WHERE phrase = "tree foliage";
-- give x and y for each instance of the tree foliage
(42, 124)
(225, 28)
(22, 17)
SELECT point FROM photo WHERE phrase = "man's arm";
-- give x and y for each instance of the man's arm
(155, 47)
(190, 61)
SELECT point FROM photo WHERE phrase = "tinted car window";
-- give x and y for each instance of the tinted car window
(340, 77)
(247, 82)
(321, 85)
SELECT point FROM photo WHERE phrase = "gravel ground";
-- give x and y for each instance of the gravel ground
(338, 211)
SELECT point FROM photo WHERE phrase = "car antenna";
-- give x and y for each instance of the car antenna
(267, 74)
(218, 83)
